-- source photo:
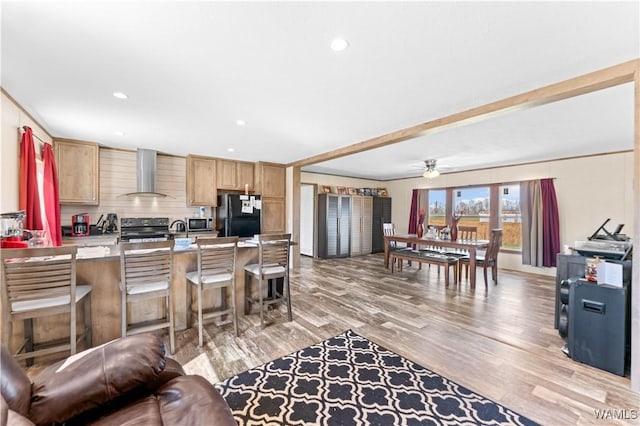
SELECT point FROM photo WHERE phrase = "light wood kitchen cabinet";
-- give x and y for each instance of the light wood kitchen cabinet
(234, 175)
(244, 171)
(201, 181)
(270, 180)
(78, 165)
(270, 183)
(273, 215)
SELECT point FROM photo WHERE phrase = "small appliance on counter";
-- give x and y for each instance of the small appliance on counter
(11, 232)
(199, 224)
(108, 225)
(80, 225)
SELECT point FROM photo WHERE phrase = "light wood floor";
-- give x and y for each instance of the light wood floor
(499, 342)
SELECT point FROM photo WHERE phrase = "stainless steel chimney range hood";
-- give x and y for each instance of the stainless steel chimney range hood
(146, 169)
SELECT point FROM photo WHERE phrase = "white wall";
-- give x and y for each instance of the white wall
(589, 190)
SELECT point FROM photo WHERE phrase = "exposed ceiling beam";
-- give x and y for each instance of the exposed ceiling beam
(576, 86)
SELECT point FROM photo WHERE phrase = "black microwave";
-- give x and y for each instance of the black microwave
(197, 224)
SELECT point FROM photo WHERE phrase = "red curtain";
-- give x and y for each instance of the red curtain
(29, 196)
(52, 196)
(413, 214)
(550, 223)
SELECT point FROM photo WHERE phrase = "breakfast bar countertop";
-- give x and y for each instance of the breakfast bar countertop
(112, 251)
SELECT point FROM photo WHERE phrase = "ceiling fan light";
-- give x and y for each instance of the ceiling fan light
(430, 174)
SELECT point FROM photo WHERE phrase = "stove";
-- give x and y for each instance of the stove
(144, 229)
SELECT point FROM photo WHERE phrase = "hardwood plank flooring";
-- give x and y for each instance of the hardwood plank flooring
(498, 341)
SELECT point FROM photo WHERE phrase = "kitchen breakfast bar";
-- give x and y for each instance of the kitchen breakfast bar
(100, 268)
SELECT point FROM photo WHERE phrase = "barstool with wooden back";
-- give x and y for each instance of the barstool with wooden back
(216, 270)
(39, 282)
(490, 258)
(273, 263)
(146, 272)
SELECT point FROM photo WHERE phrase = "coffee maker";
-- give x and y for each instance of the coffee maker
(80, 226)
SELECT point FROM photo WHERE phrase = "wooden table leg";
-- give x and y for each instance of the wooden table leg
(386, 254)
(472, 267)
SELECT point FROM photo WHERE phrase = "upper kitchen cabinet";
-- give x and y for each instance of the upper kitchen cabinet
(270, 183)
(234, 175)
(270, 180)
(201, 181)
(78, 171)
(244, 171)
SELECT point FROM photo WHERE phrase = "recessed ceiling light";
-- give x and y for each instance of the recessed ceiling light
(339, 44)
(120, 95)
(119, 133)
(241, 122)
(230, 149)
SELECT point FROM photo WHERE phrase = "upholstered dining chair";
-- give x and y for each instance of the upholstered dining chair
(389, 229)
(273, 264)
(489, 259)
(216, 270)
(39, 283)
(146, 272)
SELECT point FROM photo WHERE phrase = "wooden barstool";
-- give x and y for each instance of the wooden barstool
(216, 270)
(39, 282)
(146, 271)
(273, 263)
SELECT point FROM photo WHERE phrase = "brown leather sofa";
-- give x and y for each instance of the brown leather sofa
(125, 382)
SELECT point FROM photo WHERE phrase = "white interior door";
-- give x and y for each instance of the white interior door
(307, 209)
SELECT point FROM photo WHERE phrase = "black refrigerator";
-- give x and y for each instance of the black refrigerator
(239, 215)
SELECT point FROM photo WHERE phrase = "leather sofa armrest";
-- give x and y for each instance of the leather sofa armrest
(96, 377)
(185, 400)
(15, 386)
(10, 417)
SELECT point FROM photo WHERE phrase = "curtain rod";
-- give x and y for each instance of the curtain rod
(24, 129)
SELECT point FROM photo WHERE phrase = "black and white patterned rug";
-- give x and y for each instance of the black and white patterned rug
(349, 380)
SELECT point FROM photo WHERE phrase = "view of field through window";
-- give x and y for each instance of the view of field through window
(473, 207)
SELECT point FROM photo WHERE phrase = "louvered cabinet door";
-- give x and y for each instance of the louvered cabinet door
(366, 221)
(332, 225)
(356, 225)
(344, 226)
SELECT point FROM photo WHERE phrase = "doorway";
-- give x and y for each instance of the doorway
(307, 215)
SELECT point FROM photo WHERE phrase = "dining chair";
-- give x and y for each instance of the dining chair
(216, 270)
(39, 283)
(389, 229)
(489, 259)
(468, 232)
(146, 272)
(272, 268)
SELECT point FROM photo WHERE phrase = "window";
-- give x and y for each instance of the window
(473, 206)
(510, 218)
(483, 207)
(437, 201)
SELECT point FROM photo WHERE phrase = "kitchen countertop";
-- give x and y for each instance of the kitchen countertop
(105, 252)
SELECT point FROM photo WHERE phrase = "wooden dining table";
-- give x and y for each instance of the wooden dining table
(472, 246)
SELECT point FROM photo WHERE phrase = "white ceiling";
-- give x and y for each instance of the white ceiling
(191, 69)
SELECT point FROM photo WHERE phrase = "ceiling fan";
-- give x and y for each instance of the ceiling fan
(430, 170)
